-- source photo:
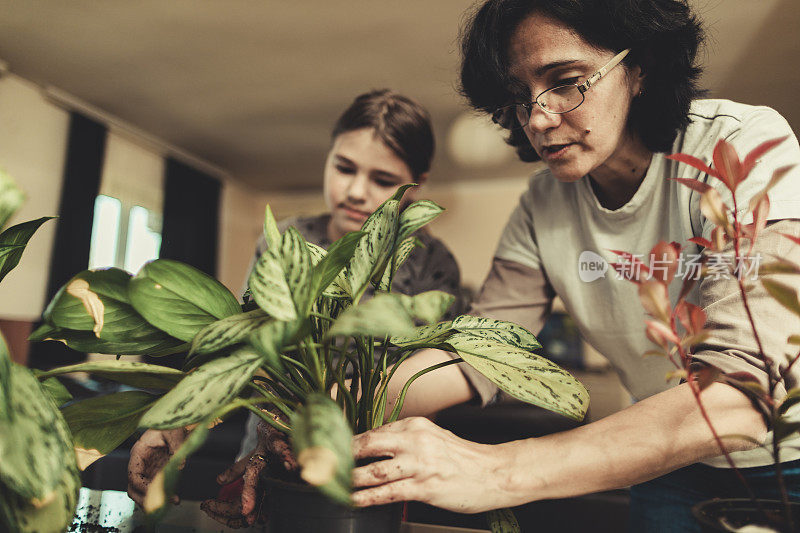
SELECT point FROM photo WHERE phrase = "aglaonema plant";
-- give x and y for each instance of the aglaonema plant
(306, 345)
(39, 478)
(677, 329)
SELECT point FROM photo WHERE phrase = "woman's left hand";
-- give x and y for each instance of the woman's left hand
(431, 465)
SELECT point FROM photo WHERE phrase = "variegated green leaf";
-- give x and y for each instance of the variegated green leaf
(339, 287)
(417, 215)
(269, 287)
(404, 250)
(374, 250)
(13, 242)
(100, 424)
(432, 334)
(228, 331)
(272, 234)
(427, 306)
(203, 391)
(499, 330)
(57, 391)
(329, 272)
(321, 441)
(179, 299)
(269, 340)
(35, 444)
(503, 521)
(130, 373)
(297, 269)
(524, 375)
(384, 315)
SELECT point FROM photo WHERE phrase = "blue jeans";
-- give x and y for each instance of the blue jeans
(663, 505)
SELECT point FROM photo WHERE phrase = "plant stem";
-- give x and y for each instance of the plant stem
(268, 419)
(401, 398)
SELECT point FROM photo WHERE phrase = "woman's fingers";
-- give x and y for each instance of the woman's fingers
(380, 472)
(398, 491)
(252, 474)
(236, 470)
(377, 443)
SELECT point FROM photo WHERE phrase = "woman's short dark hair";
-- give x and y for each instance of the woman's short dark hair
(663, 35)
(399, 122)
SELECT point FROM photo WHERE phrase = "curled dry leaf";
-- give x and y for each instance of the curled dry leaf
(79, 288)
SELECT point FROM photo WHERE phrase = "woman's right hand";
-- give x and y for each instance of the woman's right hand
(238, 509)
(148, 457)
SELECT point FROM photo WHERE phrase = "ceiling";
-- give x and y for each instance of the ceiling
(253, 86)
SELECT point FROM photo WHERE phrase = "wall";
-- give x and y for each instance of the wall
(33, 140)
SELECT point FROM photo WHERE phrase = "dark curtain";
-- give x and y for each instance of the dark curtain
(190, 226)
(80, 185)
(191, 217)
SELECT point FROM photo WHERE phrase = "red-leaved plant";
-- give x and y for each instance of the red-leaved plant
(677, 329)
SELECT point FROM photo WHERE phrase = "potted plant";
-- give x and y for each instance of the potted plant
(303, 330)
(677, 328)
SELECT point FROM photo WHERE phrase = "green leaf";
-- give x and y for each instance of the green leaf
(404, 250)
(498, 330)
(524, 375)
(100, 424)
(5, 376)
(297, 269)
(86, 341)
(321, 441)
(21, 515)
(432, 334)
(784, 294)
(35, 445)
(269, 287)
(503, 521)
(203, 391)
(129, 373)
(384, 315)
(269, 340)
(272, 234)
(11, 198)
(97, 301)
(374, 250)
(13, 242)
(228, 331)
(417, 215)
(179, 299)
(57, 391)
(783, 428)
(330, 268)
(427, 306)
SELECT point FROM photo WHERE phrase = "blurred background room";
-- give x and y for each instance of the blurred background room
(162, 129)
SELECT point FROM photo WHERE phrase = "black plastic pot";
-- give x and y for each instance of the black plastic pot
(714, 515)
(296, 508)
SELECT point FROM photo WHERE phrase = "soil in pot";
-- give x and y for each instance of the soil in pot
(733, 513)
(295, 507)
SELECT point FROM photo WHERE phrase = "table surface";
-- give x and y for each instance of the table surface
(111, 511)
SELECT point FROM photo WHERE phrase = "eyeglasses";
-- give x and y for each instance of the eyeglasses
(555, 100)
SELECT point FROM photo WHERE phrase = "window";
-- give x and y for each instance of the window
(123, 236)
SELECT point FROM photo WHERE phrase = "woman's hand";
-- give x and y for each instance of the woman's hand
(239, 503)
(148, 457)
(428, 464)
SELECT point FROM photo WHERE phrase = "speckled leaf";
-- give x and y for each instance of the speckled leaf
(499, 330)
(228, 331)
(417, 215)
(35, 446)
(524, 375)
(13, 241)
(297, 269)
(272, 234)
(129, 373)
(87, 341)
(382, 316)
(269, 340)
(329, 274)
(427, 306)
(269, 287)
(404, 249)
(203, 391)
(102, 423)
(338, 288)
(374, 250)
(503, 521)
(431, 334)
(53, 515)
(321, 441)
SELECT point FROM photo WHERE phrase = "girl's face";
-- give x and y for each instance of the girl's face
(361, 172)
(544, 53)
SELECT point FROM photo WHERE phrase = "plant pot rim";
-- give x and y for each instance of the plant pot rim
(708, 512)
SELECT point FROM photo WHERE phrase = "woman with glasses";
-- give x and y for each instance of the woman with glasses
(601, 91)
(381, 141)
